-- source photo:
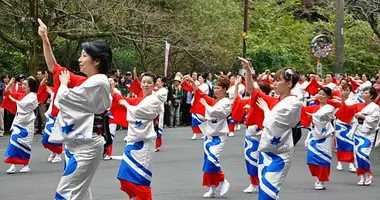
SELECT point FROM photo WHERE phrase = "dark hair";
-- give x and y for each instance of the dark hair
(4, 76)
(101, 51)
(204, 75)
(327, 91)
(223, 81)
(289, 74)
(150, 74)
(332, 75)
(164, 80)
(372, 92)
(33, 84)
(345, 86)
(265, 87)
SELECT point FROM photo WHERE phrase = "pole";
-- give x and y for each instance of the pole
(245, 28)
(339, 36)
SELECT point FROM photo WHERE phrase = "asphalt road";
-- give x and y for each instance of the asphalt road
(177, 173)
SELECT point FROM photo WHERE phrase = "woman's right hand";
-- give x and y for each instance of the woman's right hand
(245, 63)
(42, 30)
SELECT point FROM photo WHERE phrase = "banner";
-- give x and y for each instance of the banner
(167, 47)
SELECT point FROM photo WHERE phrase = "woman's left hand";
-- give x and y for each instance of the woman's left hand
(64, 77)
(262, 104)
(359, 115)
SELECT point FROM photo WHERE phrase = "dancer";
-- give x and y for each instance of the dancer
(81, 110)
(252, 135)
(276, 143)
(55, 148)
(134, 172)
(343, 126)
(367, 120)
(215, 127)
(162, 94)
(319, 145)
(20, 144)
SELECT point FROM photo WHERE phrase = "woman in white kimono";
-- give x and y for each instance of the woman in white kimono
(365, 127)
(135, 170)
(197, 119)
(252, 135)
(280, 116)
(80, 119)
(319, 143)
(232, 124)
(54, 148)
(162, 94)
(215, 127)
(343, 126)
(20, 145)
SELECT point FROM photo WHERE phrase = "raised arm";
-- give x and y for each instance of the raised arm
(188, 78)
(238, 80)
(248, 75)
(8, 87)
(48, 52)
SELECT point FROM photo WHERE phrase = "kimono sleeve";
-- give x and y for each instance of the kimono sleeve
(371, 121)
(148, 109)
(90, 98)
(135, 87)
(238, 108)
(187, 86)
(27, 104)
(219, 110)
(283, 117)
(42, 94)
(118, 112)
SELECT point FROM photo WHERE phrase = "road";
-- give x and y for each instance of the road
(177, 173)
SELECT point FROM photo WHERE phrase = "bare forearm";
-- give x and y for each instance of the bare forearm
(249, 81)
(49, 56)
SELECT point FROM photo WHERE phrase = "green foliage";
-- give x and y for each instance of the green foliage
(204, 35)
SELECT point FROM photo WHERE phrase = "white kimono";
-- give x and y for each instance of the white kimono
(231, 91)
(162, 95)
(365, 135)
(320, 139)
(215, 127)
(138, 153)
(276, 146)
(20, 143)
(74, 125)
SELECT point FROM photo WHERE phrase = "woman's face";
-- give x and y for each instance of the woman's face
(25, 86)
(364, 78)
(343, 82)
(281, 85)
(122, 79)
(323, 97)
(147, 84)
(232, 80)
(367, 97)
(219, 92)
(346, 92)
(201, 79)
(87, 65)
(159, 83)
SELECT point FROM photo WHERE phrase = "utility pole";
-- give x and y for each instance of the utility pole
(339, 36)
(245, 29)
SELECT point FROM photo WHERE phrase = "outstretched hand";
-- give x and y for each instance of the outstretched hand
(42, 30)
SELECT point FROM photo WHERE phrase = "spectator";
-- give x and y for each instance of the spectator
(41, 109)
(175, 96)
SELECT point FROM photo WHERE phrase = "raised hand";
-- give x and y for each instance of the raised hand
(43, 82)
(238, 80)
(262, 104)
(245, 63)
(42, 30)
(64, 77)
